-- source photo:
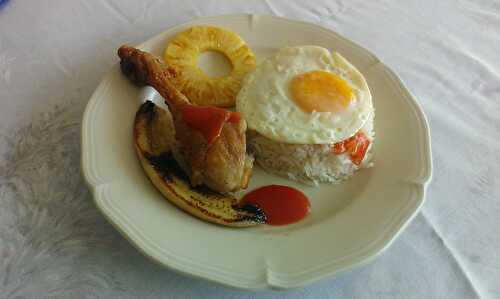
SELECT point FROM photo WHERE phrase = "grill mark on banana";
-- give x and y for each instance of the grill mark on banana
(153, 137)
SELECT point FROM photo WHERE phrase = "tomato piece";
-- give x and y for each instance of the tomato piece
(358, 151)
(356, 146)
(339, 148)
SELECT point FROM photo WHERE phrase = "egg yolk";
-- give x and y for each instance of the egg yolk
(320, 91)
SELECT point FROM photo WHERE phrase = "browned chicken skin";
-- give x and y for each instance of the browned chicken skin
(221, 165)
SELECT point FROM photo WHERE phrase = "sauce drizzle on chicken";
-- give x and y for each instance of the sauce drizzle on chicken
(208, 120)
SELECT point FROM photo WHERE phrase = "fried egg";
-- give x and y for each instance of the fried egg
(305, 95)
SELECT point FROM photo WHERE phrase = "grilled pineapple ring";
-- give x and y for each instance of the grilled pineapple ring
(153, 138)
(182, 55)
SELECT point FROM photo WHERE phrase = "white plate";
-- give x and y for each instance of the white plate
(349, 224)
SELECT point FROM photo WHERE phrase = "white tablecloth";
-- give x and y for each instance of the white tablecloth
(53, 241)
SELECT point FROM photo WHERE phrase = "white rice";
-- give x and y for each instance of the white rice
(307, 163)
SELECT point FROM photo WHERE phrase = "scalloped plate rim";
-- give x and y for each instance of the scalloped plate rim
(127, 229)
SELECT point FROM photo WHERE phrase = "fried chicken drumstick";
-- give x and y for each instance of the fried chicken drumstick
(220, 163)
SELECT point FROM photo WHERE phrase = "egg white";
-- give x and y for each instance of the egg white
(266, 103)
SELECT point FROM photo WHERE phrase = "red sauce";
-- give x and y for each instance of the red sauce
(208, 120)
(281, 204)
(235, 117)
(356, 146)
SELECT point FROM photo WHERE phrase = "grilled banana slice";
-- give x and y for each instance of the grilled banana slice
(154, 136)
